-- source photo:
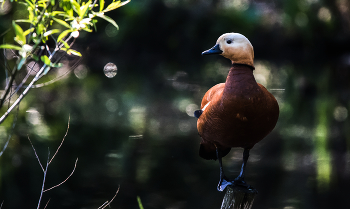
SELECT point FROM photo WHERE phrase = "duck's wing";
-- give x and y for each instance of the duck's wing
(208, 96)
(211, 94)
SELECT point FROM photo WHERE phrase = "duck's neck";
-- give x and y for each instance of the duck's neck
(240, 79)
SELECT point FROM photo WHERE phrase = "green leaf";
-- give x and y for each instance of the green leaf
(35, 57)
(84, 8)
(72, 51)
(45, 60)
(50, 32)
(61, 22)
(115, 5)
(30, 4)
(28, 31)
(102, 5)
(88, 30)
(40, 29)
(112, 6)
(76, 6)
(25, 21)
(63, 34)
(139, 202)
(65, 45)
(19, 33)
(10, 46)
(54, 13)
(94, 21)
(109, 20)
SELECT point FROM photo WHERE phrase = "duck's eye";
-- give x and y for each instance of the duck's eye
(229, 41)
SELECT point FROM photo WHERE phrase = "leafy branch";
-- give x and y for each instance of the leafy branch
(45, 22)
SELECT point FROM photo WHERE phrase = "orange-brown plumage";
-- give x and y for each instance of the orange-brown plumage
(237, 113)
(241, 112)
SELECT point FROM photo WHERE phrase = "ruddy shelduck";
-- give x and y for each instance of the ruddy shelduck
(237, 113)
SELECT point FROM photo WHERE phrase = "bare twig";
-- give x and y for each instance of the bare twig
(45, 172)
(10, 135)
(46, 203)
(36, 155)
(59, 77)
(104, 205)
(75, 165)
(62, 140)
(19, 99)
(47, 165)
(35, 79)
(25, 78)
(8, 87)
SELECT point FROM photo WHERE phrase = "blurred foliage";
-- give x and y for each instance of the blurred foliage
(135, 129)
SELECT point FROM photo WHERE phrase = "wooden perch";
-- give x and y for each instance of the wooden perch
(238, 197)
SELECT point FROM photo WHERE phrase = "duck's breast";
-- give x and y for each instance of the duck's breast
(238, 117)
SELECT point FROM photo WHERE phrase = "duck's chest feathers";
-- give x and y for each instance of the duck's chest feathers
(241, 93)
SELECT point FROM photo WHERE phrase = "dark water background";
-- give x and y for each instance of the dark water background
(136, 129)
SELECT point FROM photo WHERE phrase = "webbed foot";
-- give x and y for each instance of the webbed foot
(223, 183)
(239, 182)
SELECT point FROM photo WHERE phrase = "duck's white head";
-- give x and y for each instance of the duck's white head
(234, 46)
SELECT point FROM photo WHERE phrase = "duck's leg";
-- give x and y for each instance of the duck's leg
(240, 178)
(223, 182)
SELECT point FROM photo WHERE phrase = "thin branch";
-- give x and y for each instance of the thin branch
(35, 79)
(45, 172)
(20, 85)
(104, 205)
(10, 135)
(8, 87)
(5, 32)
(46, 203)
(61, 141)
(19, 99)
(51, 81)
(48, 49)
(75, 165)
(36, 155)
(1, 204)
(25, 78)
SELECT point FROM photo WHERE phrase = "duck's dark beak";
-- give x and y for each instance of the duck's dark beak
(215, 50)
